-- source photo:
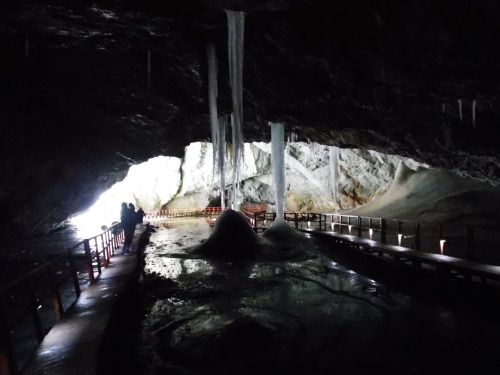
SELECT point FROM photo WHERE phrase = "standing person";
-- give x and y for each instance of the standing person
(131, 207)
(129, 221)
(140, 215)
(123, 211)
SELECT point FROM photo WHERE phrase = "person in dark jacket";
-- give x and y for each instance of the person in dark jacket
(129, 221)
(140, 215)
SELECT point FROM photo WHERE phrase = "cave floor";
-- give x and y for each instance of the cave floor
(308, 312)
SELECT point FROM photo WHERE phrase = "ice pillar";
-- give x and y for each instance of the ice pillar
(334, 168)
(221, 160)
(278, 167)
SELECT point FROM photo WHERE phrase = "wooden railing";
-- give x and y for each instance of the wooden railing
(183, 212)
(462, 241)
(31, 304)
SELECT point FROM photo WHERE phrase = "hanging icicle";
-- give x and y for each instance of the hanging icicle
(460, 109)
(278, 167)
(212, 100)
(474, 102)
(236, 27)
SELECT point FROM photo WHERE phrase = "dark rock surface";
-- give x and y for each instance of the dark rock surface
(78, 109)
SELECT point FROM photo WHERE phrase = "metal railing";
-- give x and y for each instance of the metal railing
(31, 304)
(182, 212)
(459, 241)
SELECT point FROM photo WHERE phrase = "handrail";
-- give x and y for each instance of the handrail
(26, 297)
(391, 231)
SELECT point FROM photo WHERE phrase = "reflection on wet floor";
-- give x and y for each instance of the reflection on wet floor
(308, 315)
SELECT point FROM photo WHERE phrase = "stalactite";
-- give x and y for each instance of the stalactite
(236, 27)
(212, 100)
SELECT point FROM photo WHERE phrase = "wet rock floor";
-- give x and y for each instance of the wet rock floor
(304, 311)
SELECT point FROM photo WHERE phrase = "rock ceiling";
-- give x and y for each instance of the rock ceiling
(414, 78)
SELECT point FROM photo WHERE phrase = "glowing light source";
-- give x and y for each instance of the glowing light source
(333, 226)
(308, 224)
(350, 227)
(371, 233)
(400, 236)
(441, 245)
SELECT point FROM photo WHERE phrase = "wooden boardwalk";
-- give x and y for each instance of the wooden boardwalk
(443, 265)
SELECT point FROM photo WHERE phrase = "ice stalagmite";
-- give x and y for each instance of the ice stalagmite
(278, 167)
(236, 27)
(334, 167)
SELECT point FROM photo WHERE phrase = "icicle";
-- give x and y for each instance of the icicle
(236, 25)
(149, 68)
(212, 100)
(460, 108)
(333, 152)
(278, 167)
(221, 135)
(474, 102)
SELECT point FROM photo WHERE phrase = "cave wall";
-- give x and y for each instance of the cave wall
(418, 79)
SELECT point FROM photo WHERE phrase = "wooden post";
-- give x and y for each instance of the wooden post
(55, 296)
(98, 258)
(360, 232)
(74, 273)
(417, 236)
(33, 307)
(382, 230)
(104, 245)
(90, 267)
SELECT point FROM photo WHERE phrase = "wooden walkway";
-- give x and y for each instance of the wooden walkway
(443, 265)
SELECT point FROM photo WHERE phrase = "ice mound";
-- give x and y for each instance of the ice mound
(232, 237)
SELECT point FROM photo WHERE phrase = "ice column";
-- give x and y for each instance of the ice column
(221, 160)
(278, 167)
(334, 167)
(212, 99)
(236, 27)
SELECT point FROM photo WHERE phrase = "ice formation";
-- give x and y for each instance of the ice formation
(236, 27)
(334, 167)
(278, 167)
